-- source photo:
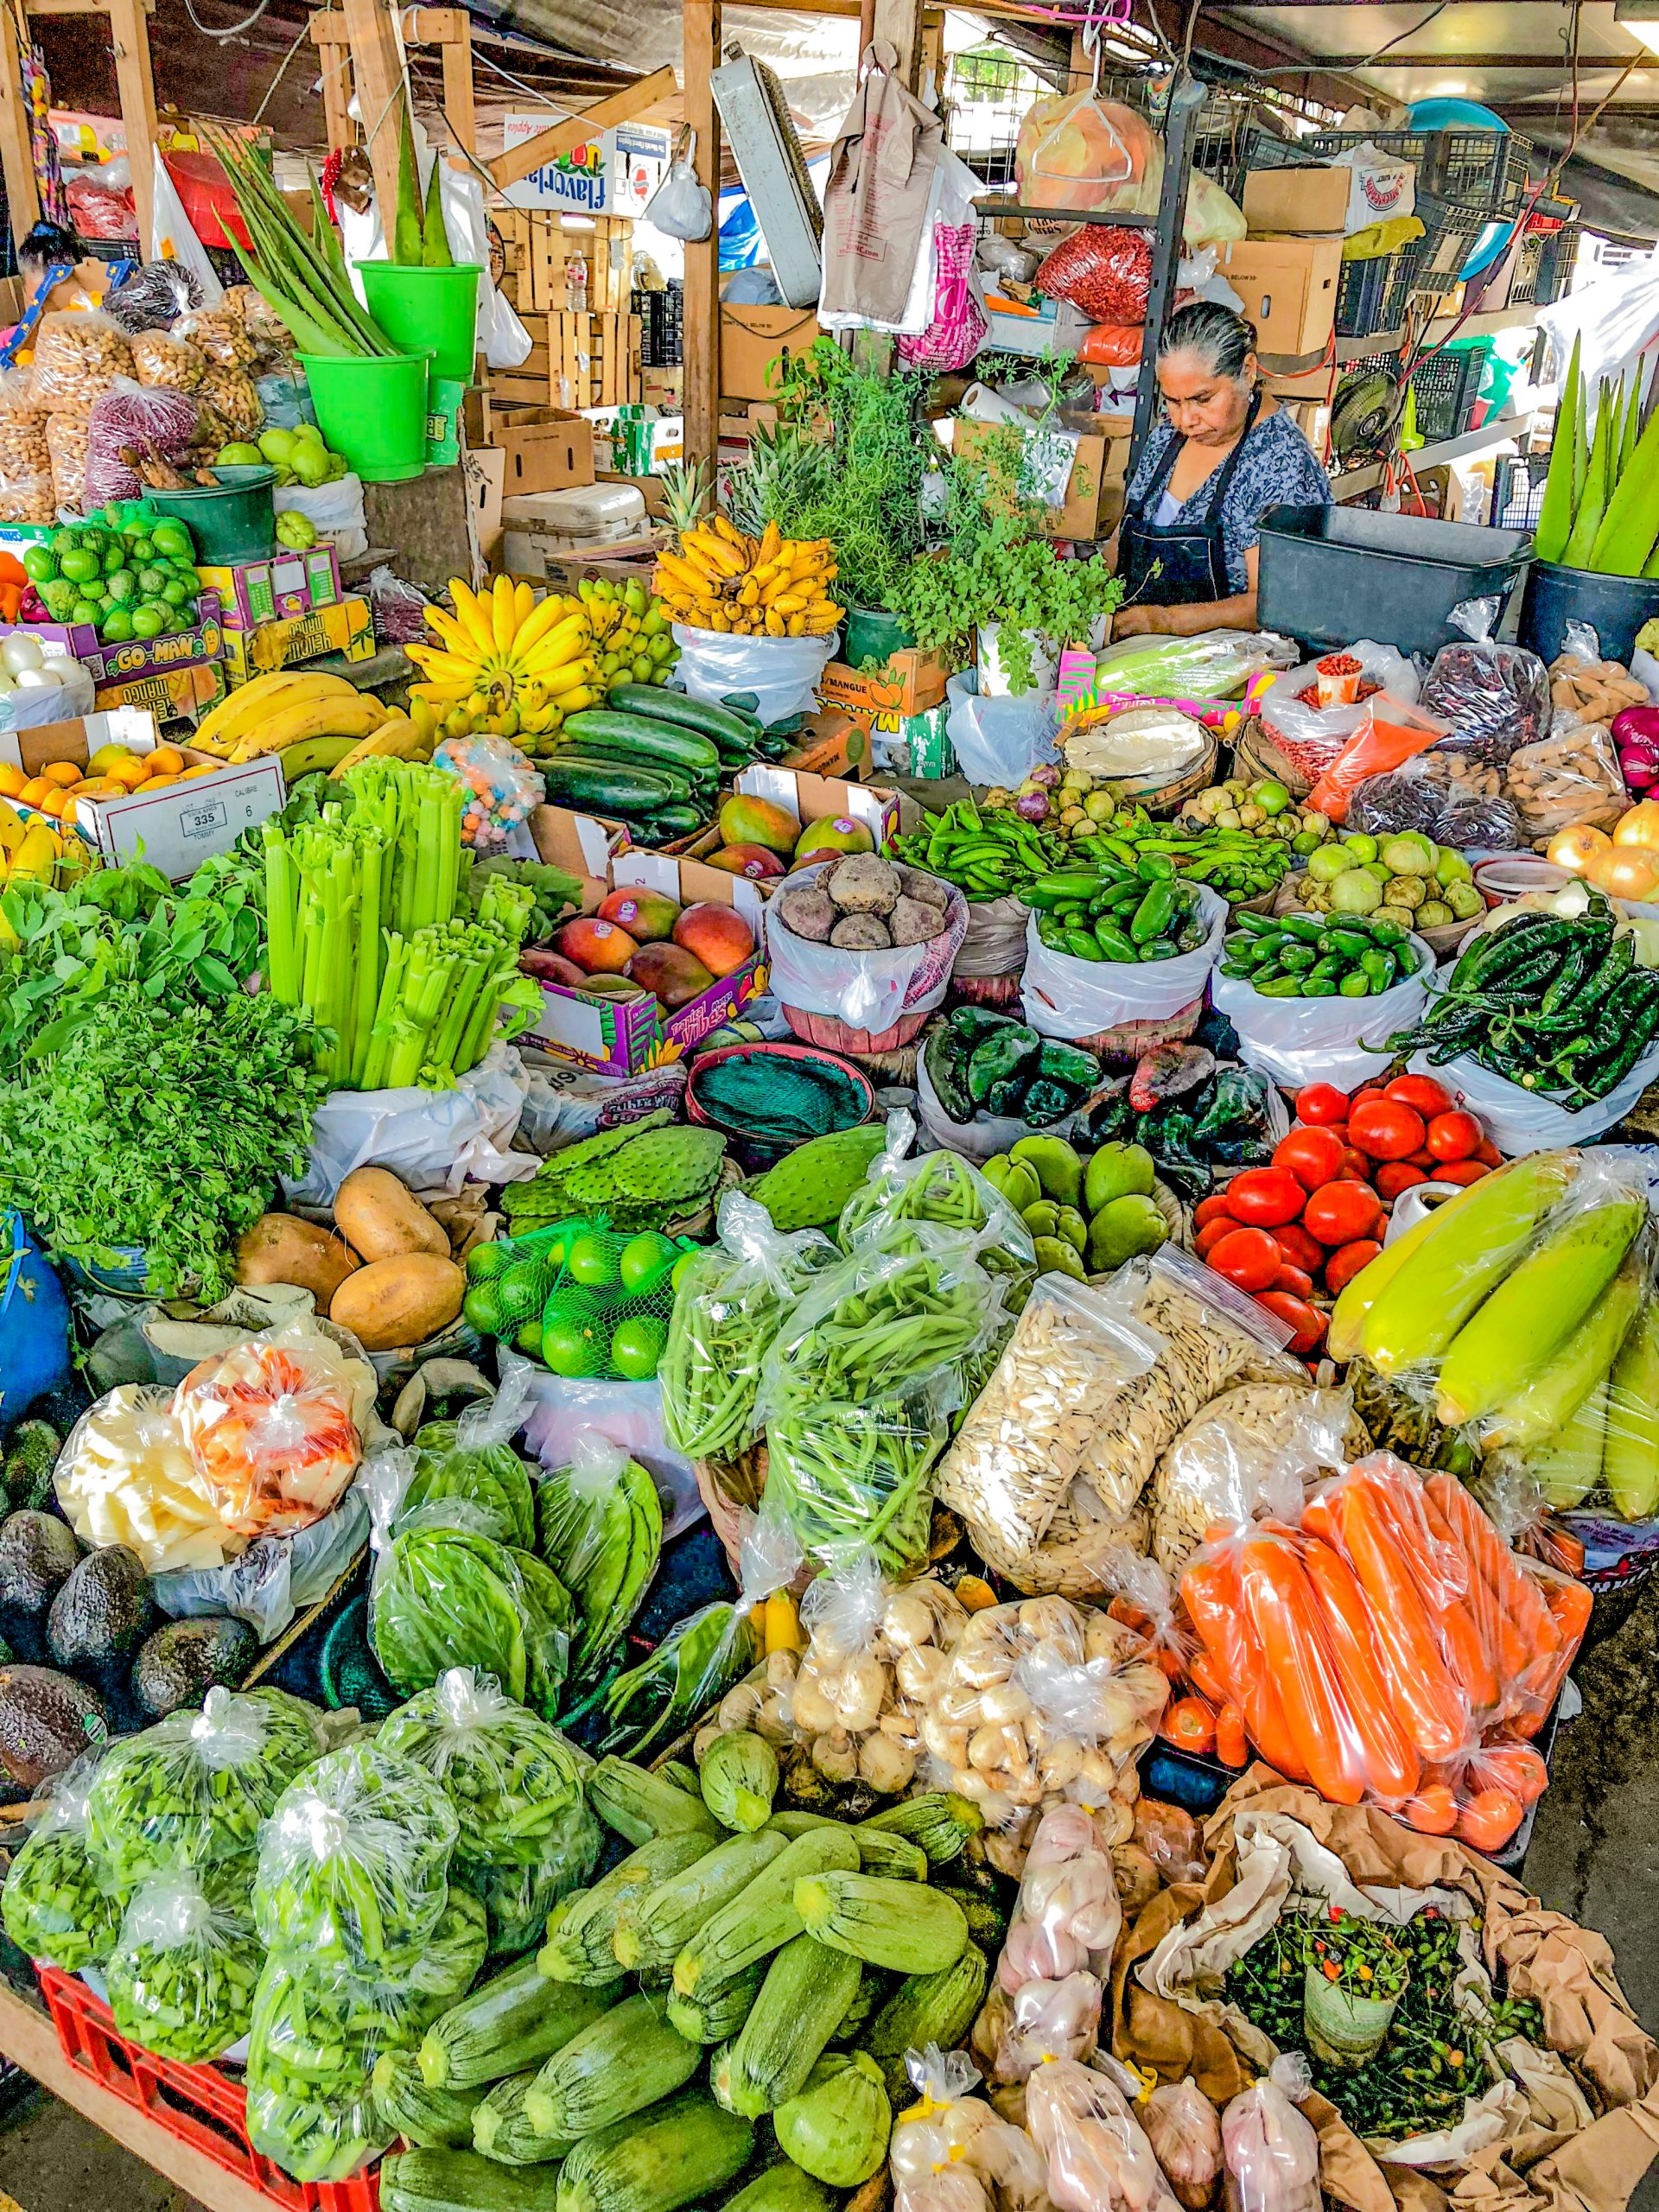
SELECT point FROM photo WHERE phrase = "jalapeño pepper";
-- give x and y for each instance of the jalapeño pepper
(1155, 913)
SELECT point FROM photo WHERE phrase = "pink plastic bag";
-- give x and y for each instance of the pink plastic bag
(960, 325)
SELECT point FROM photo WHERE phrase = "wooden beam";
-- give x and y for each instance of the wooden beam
(900, 22)
(136, 82)
(459, 109)
(700, 396)
(515, 164)
(378, 67)
(336, 70)
(16, 152)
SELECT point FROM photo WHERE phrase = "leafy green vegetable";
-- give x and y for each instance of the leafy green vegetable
(512, 1778)
(491, 1475)
(181, 1977)
(601, 1531)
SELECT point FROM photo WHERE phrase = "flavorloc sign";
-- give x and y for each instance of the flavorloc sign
(615, 173)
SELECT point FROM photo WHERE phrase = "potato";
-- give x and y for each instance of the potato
(374, 1212)
(280, 1248)
(391, 1303)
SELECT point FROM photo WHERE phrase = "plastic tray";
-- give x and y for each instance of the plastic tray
(198, 2104)
(1331, 575)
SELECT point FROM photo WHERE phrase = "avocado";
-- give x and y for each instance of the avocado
(182, 1662)
(101, 1613)
(47, 1720)
(37, 1555)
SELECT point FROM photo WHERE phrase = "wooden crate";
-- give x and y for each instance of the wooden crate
(575, 361)
(538, 245)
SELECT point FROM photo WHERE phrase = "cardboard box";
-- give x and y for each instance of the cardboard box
(252, 592)
(1096, 467)
(139, 656)
(584, 845)
(1289, 290)
(752, 339)
(542, 557)
(1297, 203)
(909, 683)
(173, 695)
(924, 738)
(808, 797)
(830, 743)
(545, 449)
(347, 628)
(177, 829)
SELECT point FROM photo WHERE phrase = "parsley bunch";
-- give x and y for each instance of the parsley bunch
(159, 1127)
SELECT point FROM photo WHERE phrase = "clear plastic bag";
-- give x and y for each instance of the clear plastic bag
(938, 2134)
(1184, 2129)
(1067, 1917)
(153, 297)
(732, 1300)
(1106, 273)
(514, 1781)
(1075, 999)
(163, 360)
(59, 1904)
(1573, 775)
(680, 205)
(1389, 733)
(1081, 151)
(1271, 2150)
(601, 1525)
(77, 358)
(134, 418)
(472, 1459)
(67, 436)
(1449, 797)
(276, 1426)
(399, 610)
(940, 1187)
(125, 1476)
(1314, 735)
(25, 457)
(196, 1790)
(504, 787)
(1248, 1455)
(181, 1979)
(317, 2141)
(867, 990)
(354, 1866)
(1495, 698)
(230, 393)
(1099, 2159)
(221, 333)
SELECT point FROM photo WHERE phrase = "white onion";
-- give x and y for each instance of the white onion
(20, 652)
(36, 679)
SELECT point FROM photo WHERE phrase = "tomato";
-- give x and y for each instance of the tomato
(1423, 1158)
(1319, 1104)
(1348, 1261)
(1266, 1196)
(1308, 1322)
(1384, 1131)
(1515, 1767)
(1299, 1284)
(1248, 1257)
(1489, 1819)
(1214, 1208)
(1343, 1211)
(1394, 1176)
(1488, 1153)
(1313, 1156)
(1461, 1171)
(1453, 1136)
(1421, 1092)
(1299, 1247)
(1434, 1809)
(1211, 1234)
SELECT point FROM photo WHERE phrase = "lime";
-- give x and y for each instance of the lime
(140, 552)
(85, 610)
(80, 565)
(486, 1260)
(529, 1340)
(591, 1260)
(680, 1267)
(114, 559)
(571, 1349)
(644, 1259)
(172, 539)
(521, 1288)
(177, 593)
(481, 1308)
(148, 620)
(116, 628)
(638, 1346)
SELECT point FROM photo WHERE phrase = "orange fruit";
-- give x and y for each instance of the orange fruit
(98, 787)
(35, 790)
(166, 760)
(161, 783)
(63, 773)
(12, 780)
(55, 800)
(201, 768)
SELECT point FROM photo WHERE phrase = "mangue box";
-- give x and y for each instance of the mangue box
(276, 589)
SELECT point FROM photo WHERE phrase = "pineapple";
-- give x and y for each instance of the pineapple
(686, 492)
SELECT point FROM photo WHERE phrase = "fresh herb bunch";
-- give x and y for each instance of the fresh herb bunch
(159, 1126)
(1431, 2058)
(997, 573)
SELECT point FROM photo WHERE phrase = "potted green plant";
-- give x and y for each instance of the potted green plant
(1356, 1974)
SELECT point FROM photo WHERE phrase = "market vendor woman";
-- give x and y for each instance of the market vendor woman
(1225, 453)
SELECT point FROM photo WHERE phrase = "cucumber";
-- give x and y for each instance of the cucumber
(681, 782)
(573, 780)
(665, 822)
(667, 743)
(648, 699)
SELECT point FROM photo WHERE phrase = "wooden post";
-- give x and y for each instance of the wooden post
(334, 57)
(900, 22)
(458, 107)
(16, 152)
(135, 81)
(377, 65)
(702, 345)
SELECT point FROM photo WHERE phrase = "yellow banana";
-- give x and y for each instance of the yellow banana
(776, 625)
(795, 626)
(472, 612)
(770, 539)
(683, 573)
(524, 604)
(313, 718)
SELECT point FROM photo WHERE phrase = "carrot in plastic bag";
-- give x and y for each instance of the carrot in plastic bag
(1210, 1589)
(1421, 1690)
(1516, 1594)
(1280, 1607)
(1392, 1767)
(1569, 1605)
(1472, 1626)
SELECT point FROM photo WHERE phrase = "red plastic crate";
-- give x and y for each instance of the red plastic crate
(199, 2105)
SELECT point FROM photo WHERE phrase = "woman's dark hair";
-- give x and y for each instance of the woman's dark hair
(1217, 334)
(49, 243)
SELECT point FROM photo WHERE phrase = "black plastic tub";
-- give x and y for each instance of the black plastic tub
(1331, 575)
(1615, 607)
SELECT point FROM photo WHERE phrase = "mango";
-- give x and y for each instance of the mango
(1116, 1170)
(745, 820)
(753, 861)
(598, 948)
(671, 974)
(647, 916)
(836, 833)
(718, 936)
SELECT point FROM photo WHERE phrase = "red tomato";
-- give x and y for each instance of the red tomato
(1384, 1131)
(1348, 1261)
(1299, 1284)
(1488, 1153)
(1247, 1256)
(1489, 1819)
(1454, 1136)
(1319, 1104)
(1211, 1234)
(1421, 1092)
(1394, 1176)
(1424, 1159)
(1371, 1089)
(1308, 1321)
(1313, 1156)
(1343, 1211)
(1461, 1171)
(1299, 1247)
(1265, 1196)
(1354, 1162)
(1214, 1208)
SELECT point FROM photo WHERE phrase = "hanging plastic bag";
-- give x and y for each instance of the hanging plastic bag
(1099, 2159)
(960, 323)
(1083, 152)
(1106, 273)
(1271, 2150)
(1064, 996)
(680, 205)
(600, 1530)
(172, 237)
(181, 1977)
(275, 1426)
(58, 1904)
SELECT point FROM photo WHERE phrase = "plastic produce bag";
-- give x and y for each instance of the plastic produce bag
(1313, 735)
(867, 990)
(334, 510)
(78, 358)
(999, 740)
(275, 1578)
(631, 1414)
(1299, 1040)
(1067, 1917)
(434, 1140)
(1075, 999)
(1446, 797)
(775, 678)
(680, 205)
(1247, 1456)
(1271, 2150)
(181, 1977)
(601, 1525)
(166, 363)
(196, 1790)
(25, 459)
(1495, 698)
(472, 1459)
(125, 1476)
(1099, 2159)
(153, 297)
(1184, 2129)
(1042, 2022)
(1106, 273)
(133, 417)
(873, 1654)
(354, 1865)
(276, 1426)
(934, 2139)
(312, 2140)
(1389, 735)
(1083, 152)
(59, 1904)
(939, 1187)
(514, 1781)
(1214, 664)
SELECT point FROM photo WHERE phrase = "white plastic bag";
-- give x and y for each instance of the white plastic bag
(1520, 1120)
(334, 511)
(680, 205)
(629, 1413)
(72, 699)
(1322, 1040)
(172, 237)
(1314, 735)
(1070, 998)
(999, 740)
(987, 1135)
(275, 1578)
(774, 677)
(432, 1139)
(867, 990)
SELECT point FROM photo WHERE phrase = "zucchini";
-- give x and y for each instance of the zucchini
(905, 1925)
(740, 1779)
(574, 780)
(837, 2126)
(764, 1917)
(666, 822)
(928, 2008)
(714, 2015)
(652, 739)
(880, 1850)
(654, 704)
(460, 2181)
(641, 1805)
(654, 1929)
(801, 2003)
(682, 1775)
(579, 1932)
(658, 2160)
(434, 2119)
(783, 2188)
(503, 2130)
(515, 2021)
(939, 1819)
(630, 2059)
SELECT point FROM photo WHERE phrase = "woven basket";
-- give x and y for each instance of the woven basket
(836, 1036)
(1256, 755)
(1446, 938)
(999, 992)
(1169, 798)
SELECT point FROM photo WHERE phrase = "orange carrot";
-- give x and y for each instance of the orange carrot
(1205, 1677)
(1515, 1593)
(1391, 1765)
(1190, 1724)
(1570, 1606)
(1232, 1747)
(1515, 1767)
(1497, 1649)
(1210, 1589)
(1280, 1607)
(1431, 1704)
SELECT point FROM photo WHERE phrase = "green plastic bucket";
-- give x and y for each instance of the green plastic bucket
(234, 520)
(431, 309)
(873, 634)
(372, 410)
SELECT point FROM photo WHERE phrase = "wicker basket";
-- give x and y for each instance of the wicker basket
(1445, 938)
(836, 1036)
(998, 992)
(1169, 798)
(1256, 755)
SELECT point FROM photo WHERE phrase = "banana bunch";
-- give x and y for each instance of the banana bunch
(314, 721)
(507, 662)
(765, 586)
(632, 637)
